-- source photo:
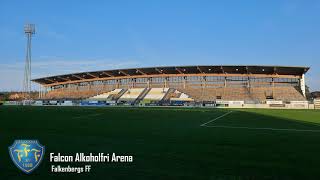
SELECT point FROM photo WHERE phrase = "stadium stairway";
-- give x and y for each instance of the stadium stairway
(117, 96)
(156, 94)
(169, 94)
(131, 95)
(142, 95)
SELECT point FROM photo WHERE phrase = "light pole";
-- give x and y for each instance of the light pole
(29, 30)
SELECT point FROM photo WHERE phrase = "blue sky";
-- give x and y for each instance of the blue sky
(84, 35)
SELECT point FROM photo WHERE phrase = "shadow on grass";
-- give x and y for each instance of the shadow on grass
(166, 143)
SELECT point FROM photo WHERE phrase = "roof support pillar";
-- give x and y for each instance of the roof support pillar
(148, 82)
(39, 91)
(272, 87)
(165, 82)
(203, 81)
(303, 85)
(134, 82)
(117, 83)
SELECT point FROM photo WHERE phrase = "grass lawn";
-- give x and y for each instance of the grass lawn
(169, 143)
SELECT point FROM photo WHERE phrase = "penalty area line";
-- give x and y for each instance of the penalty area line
(271, 129)
(223, 115)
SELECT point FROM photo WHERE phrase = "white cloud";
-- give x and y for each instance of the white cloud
(11, 75)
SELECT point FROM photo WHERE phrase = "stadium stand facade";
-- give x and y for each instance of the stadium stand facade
(180, 84)
(317, 103)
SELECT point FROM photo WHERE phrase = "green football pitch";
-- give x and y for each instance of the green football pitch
(168, 143)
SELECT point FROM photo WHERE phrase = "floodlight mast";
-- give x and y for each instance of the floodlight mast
(29, 30)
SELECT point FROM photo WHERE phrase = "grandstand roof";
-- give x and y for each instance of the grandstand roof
(173, 70)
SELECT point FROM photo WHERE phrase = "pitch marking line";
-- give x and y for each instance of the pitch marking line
(85, 116)
(244, 127)
(223, 115)
(272, 129)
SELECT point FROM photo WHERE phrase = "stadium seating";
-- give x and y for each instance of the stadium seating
(236, 94)
(261, 93)
(288, 93)
(106, 96)
(156, 94)
(71, 93)
(201, 84)
(178, 96)
(131, 95)
(257, 94)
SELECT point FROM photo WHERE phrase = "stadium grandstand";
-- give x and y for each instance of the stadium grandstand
(180, 85)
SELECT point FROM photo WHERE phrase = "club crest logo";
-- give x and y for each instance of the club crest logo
(26, 154)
